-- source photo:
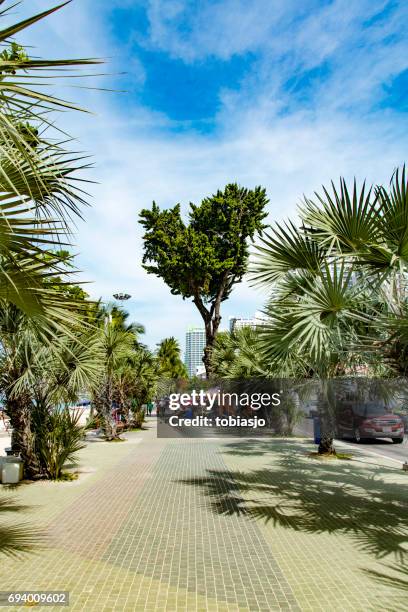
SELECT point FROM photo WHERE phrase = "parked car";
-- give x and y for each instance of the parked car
(404, 418)
(367, 421)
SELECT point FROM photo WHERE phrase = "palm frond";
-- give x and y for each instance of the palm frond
(40, 191)
(285, 249)
(394, 218)
(342, 220)
(12, 95)
(313, 322)
(17, 539)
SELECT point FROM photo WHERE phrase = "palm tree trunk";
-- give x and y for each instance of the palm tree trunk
(22, 441)
(124, 406)
(326, 411)
(109, 427)
(326, 445)
(103, 405)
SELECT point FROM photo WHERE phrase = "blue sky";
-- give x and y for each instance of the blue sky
(280, 93)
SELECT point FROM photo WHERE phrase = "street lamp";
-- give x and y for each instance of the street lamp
(122, 297)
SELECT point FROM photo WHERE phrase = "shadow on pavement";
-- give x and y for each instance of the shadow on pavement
(313, 496)
(398, 581)
(16, 539)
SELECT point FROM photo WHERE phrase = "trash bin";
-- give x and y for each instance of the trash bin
(11, 470)
(316, 430)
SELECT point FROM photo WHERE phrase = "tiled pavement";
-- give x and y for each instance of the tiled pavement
(217, 525)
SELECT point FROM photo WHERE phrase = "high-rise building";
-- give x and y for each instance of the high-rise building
(236, 323)
(195, 343)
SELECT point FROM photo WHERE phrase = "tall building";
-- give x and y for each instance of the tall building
(236, 323)
(195, 343)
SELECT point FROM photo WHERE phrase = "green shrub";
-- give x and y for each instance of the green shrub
(58, 438)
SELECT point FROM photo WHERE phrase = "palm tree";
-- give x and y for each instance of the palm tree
(36, 376)
(238, 355)
(19, 338)
(169, 360)
(118, 317)
(39, 195)
(146, 373)
(37, 189)
(135, 382)
(34, 201)
(128, 372)
(117, 346)
(338, 281)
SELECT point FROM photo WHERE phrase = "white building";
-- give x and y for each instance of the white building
(195, 343)
(240, 322)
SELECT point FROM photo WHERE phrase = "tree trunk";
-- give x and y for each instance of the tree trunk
(22, 441)
(211, 329)
(327, 402)
(212, 320)
(125, 407)
(103, 405)
(207, 361)
(276, 418)
(326, 446)
(109, 428)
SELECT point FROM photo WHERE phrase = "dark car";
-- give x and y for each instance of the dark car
(368, 421)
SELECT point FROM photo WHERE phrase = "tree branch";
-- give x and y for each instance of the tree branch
(216, 305)
(204, 312)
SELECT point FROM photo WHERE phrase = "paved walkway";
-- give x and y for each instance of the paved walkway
(218, 525)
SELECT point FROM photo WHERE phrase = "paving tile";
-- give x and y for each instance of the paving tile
(177, 525)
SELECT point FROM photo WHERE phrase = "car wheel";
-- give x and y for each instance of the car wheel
(397, 440)
(357, 436)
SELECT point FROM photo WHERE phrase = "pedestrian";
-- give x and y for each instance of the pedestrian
(161, 408)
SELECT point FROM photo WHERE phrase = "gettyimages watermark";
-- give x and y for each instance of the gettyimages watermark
(283, 407)
(229, 408)
(209, 400)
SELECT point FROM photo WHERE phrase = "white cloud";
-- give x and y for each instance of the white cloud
(140, 156)
(294, 156)
(289, 38)
(194, 31)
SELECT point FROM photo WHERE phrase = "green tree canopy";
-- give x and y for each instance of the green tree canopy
(206, 256)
